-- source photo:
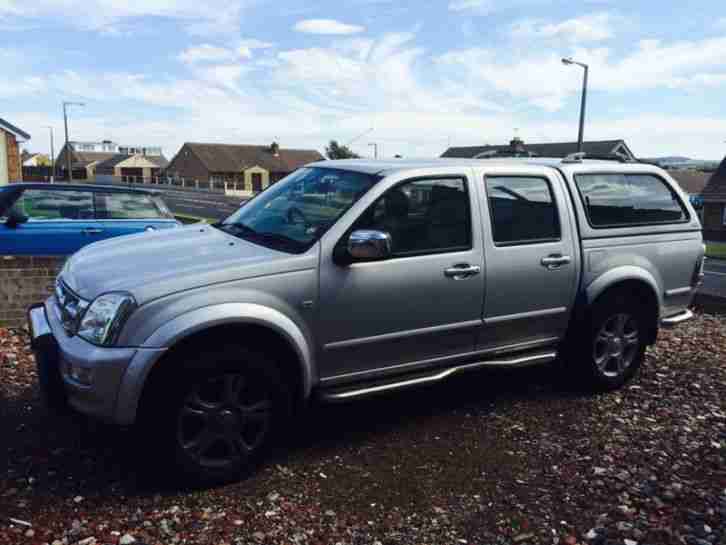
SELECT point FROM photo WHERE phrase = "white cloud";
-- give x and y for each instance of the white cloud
(541, 80)
(213, 16)
(588, 28)
(480, 6)
(414, 101)
(326, 26)
(205, 53)
(246, 47)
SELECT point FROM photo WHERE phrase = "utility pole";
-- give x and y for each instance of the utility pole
(69, 165)
(52, 154)
(375, 149)
(569, 61)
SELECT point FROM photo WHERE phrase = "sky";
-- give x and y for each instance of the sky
(414, 77)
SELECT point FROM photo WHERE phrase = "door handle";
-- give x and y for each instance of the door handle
(555, 261)
(461, 271)
(91, 231)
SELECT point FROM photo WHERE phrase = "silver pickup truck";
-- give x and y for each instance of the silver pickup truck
(354, 278)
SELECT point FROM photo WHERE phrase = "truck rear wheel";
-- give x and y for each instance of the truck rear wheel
(216, 419)
(608, 351)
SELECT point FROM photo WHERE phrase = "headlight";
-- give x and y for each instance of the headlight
(103, 320)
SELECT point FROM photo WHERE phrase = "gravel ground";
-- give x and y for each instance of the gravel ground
(489, 458)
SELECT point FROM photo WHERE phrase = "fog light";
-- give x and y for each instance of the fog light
(82, 375)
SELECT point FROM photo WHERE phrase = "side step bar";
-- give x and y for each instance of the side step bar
(400, 383)
(681, 317)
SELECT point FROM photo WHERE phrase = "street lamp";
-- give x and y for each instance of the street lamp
(569, 61)
(52, 153)
(65, 123)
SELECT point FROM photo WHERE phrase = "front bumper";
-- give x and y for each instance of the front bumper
(56, 351)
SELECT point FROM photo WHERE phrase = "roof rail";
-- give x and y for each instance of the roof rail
(493, 154)
(580, 155)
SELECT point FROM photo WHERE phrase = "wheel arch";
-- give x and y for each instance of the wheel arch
(234, 322)
(636, 281)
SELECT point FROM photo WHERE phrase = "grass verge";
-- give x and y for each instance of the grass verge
(716, 249)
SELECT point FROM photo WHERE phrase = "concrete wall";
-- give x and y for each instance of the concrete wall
(24, 281)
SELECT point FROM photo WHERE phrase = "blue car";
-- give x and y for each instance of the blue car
(59, 219)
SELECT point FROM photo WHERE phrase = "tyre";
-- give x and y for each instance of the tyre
(608, 350)
(216, 418)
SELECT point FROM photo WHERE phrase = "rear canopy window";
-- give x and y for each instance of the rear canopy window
(615, 200)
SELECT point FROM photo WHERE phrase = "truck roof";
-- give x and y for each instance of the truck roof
(389, 166)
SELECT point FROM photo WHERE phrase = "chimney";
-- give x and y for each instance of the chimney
(517, 144)
(275, 149)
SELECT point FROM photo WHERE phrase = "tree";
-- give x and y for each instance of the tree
(336, 151)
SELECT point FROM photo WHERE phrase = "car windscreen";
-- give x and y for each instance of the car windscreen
(294, 213)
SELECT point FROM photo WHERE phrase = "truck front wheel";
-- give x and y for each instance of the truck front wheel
(216, 417)
(610, 348)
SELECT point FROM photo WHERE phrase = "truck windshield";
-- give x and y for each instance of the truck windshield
(295, 212)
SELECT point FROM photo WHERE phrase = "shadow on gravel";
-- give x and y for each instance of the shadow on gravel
(69, 455)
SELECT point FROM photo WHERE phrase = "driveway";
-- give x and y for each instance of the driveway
(491, 458)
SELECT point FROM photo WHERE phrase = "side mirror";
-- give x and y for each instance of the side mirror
(369, 245)
(14, 218)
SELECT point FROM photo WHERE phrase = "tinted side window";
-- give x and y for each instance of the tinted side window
(45, 204)
(423, 216)
(628, 199)
(522, 210)
(125, 206)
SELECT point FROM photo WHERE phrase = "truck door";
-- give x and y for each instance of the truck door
(531, 258)
(424, 301)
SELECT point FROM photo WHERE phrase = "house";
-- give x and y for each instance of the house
(10, 164)
(241, 170)
(35, 159)
(693, 182)
(517, 147)
(136, 168)
(86, 156)
(714, 205)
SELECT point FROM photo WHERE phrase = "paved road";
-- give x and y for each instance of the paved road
(714, 283)
(203, 205)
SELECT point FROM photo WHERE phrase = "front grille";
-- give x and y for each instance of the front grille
(70, 306)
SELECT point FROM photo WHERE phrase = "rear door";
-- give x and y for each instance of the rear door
(59, 222)
(128, 213)
(531, 258)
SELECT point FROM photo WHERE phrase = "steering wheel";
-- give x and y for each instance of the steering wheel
(295, 211)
